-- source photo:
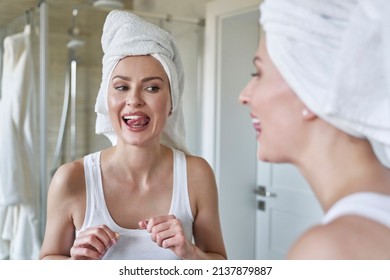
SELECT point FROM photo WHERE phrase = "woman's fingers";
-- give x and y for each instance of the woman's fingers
(84, 252)
(168, 232)
(164, 228)
(152, 222)
(94, 242)
(143, 224)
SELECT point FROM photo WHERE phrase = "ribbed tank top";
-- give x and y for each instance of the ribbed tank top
(374, 206)
(134, 243)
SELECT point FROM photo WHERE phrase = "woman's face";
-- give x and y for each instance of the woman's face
(275, 110)
(139, 100)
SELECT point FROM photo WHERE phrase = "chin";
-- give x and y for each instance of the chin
(263, 158)
(267, 157)
(261, 155)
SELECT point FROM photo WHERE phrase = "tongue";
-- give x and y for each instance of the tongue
(143, 121)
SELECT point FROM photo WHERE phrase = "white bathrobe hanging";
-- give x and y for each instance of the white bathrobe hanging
(19, 181)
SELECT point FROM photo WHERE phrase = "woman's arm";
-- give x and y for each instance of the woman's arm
(65, 213)
(65, 196)
(204, 196)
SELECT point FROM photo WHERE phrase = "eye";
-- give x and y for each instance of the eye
(121, 88)
(152, 89)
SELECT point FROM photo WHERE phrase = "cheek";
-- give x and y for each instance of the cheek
(114, 104)
(115, 100)
(111, 107)
(167, 105)
(258, 101)
(110, 100)
(250, 94)
(160, 109)
(110, 104)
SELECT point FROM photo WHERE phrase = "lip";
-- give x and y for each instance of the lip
(136, 121)
(256, 124)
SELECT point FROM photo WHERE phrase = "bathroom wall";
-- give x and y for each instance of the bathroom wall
(89, 22)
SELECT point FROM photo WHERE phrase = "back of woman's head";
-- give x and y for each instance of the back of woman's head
(335, 55)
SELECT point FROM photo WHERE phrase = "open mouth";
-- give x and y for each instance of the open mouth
(136, 120)
(256, 124)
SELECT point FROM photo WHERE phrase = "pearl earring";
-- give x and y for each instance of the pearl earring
(305, 112)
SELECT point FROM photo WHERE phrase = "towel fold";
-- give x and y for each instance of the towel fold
(126, 34)
(335, 55)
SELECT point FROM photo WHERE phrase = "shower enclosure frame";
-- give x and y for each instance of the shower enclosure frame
(43, 64)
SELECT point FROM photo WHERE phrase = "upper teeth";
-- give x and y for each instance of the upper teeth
(255, 120)
(132, 117)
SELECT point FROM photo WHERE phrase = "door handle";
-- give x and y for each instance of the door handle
(262, 191)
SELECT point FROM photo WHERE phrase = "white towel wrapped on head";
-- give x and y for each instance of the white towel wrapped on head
(335, 55)
(126, 34)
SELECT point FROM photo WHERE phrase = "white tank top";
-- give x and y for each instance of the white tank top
(374, 206)
(134, 243)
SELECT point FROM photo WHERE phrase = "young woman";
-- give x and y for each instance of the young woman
(320, 99)
(145, 197)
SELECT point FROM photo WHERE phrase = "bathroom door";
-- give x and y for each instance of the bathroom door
(285, 208)
(229, 144)
(264, 207)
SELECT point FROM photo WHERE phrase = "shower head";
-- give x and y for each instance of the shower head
(75, 43)
(109, 4)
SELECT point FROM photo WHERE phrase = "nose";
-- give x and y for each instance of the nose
(244, 96)
(134, 98)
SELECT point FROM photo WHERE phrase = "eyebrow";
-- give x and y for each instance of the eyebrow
(152, 78)
(147, 79)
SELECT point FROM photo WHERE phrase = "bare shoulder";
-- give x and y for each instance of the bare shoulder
(69, 169)
(202, 186)
(68, 183)
(319, 242)
(199, 172)
(199, 169)
(65, 208)
(349, 237)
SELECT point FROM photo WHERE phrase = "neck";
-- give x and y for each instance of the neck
(136, 164)
(342, 165)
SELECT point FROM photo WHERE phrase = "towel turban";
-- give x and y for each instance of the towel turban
(126, 34)
(335, 55)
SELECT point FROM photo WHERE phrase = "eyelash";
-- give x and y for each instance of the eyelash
(121, 88)
(152, 88)
(149, 88)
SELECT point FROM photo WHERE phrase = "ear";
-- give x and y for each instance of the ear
(308, 114)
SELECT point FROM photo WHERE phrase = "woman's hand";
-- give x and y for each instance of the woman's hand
(93, 243)
(168, 232)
